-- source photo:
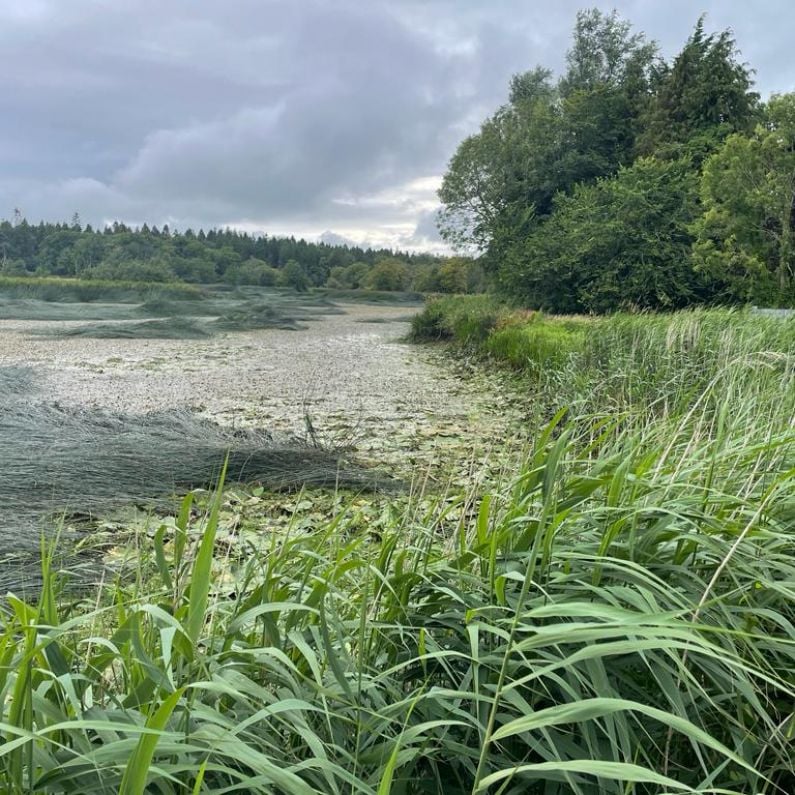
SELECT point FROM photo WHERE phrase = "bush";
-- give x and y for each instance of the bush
(430, 324)
(467, 319)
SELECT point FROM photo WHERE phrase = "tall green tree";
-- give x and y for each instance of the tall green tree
(746, 236)
(698, 100)
(623, 242)
(294, 276)
(388, 274)
(501, 182)
(499, 178)
(603, 91)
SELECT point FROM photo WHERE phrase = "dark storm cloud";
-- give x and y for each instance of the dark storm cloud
(285, 116)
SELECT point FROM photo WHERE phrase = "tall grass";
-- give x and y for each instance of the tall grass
(616, 617)
(360, 296)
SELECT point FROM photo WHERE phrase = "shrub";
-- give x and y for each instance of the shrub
(430, 324)
(466, 319)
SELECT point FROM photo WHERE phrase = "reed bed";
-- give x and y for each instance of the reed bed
(54, 288)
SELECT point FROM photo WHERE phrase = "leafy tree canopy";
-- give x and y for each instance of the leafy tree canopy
(746, 235)
(630, 182)
(548, 137)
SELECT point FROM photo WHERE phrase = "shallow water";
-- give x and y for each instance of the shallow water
(341, 372)
(345, 381)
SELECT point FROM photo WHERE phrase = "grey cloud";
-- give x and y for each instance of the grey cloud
(424, 236)
(333, 239)
(426, 228)
(279, 115)
(360, 107)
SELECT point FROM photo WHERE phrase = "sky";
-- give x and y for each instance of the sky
(324, 119)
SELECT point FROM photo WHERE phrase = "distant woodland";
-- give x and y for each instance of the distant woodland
(149, 254)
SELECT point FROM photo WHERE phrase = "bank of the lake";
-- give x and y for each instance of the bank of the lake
(614, 614)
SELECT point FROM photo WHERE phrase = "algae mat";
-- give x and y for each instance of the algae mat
(356, 381)
(340, 384)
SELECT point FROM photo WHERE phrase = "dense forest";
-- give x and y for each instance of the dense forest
(119, 252)
(630, 182)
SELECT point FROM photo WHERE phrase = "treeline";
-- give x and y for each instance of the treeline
(631, 182)
(119, 252)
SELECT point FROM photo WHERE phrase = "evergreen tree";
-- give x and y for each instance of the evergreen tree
(703, 97)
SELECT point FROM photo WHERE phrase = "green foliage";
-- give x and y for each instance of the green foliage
(702, 97)
(86, 290)
(603, 90)
(252, 271)
(294, 276)
(623, 242)
(468, 319)
(13, 267)
(548, 138)
(537, 346)
(459, 275)
(522, 340)
(746, 237)
(631, 361)
(584, 195)
(388, 274)
(143, 254)
(132, 271)
(351, 277)
(430, 324)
